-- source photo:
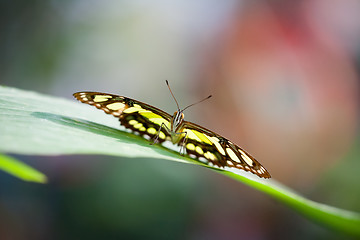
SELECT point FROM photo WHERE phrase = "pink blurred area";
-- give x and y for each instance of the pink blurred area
(286, 84)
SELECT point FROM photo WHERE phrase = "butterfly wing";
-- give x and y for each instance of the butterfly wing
(134, 115)
(205, 144)
(200, 142)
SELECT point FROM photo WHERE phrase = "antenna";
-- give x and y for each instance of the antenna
(197, 102)
(167, 83)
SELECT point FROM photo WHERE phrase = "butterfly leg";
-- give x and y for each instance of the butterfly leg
(182, 147)
(156, 138)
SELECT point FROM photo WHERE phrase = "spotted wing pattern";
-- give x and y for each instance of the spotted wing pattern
(216, 150)
(200, 143)
(134, 115)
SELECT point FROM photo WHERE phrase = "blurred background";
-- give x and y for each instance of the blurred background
(285, 86)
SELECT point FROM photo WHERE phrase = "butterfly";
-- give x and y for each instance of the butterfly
(153, 123)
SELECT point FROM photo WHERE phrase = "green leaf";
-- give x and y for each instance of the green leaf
(336, 218)
(34, 124)
(21, 170)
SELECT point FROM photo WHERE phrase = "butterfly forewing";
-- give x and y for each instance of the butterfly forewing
(219, 151)
(135, 115)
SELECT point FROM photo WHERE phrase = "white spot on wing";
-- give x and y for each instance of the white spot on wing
(101, 98)
(232, 155)
(203, 160)
(246, 158)
(116, 106)
(215, 141)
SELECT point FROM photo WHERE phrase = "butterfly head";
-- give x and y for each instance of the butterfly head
(177, 119)
(178, 116)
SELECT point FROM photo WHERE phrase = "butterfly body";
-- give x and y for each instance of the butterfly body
(153, 123)
(176, 123)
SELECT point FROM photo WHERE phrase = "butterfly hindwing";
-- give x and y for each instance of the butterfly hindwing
(213, 148)
(134, 115)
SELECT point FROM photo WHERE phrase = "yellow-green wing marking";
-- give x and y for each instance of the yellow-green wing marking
(134, 115)
(213, 149)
